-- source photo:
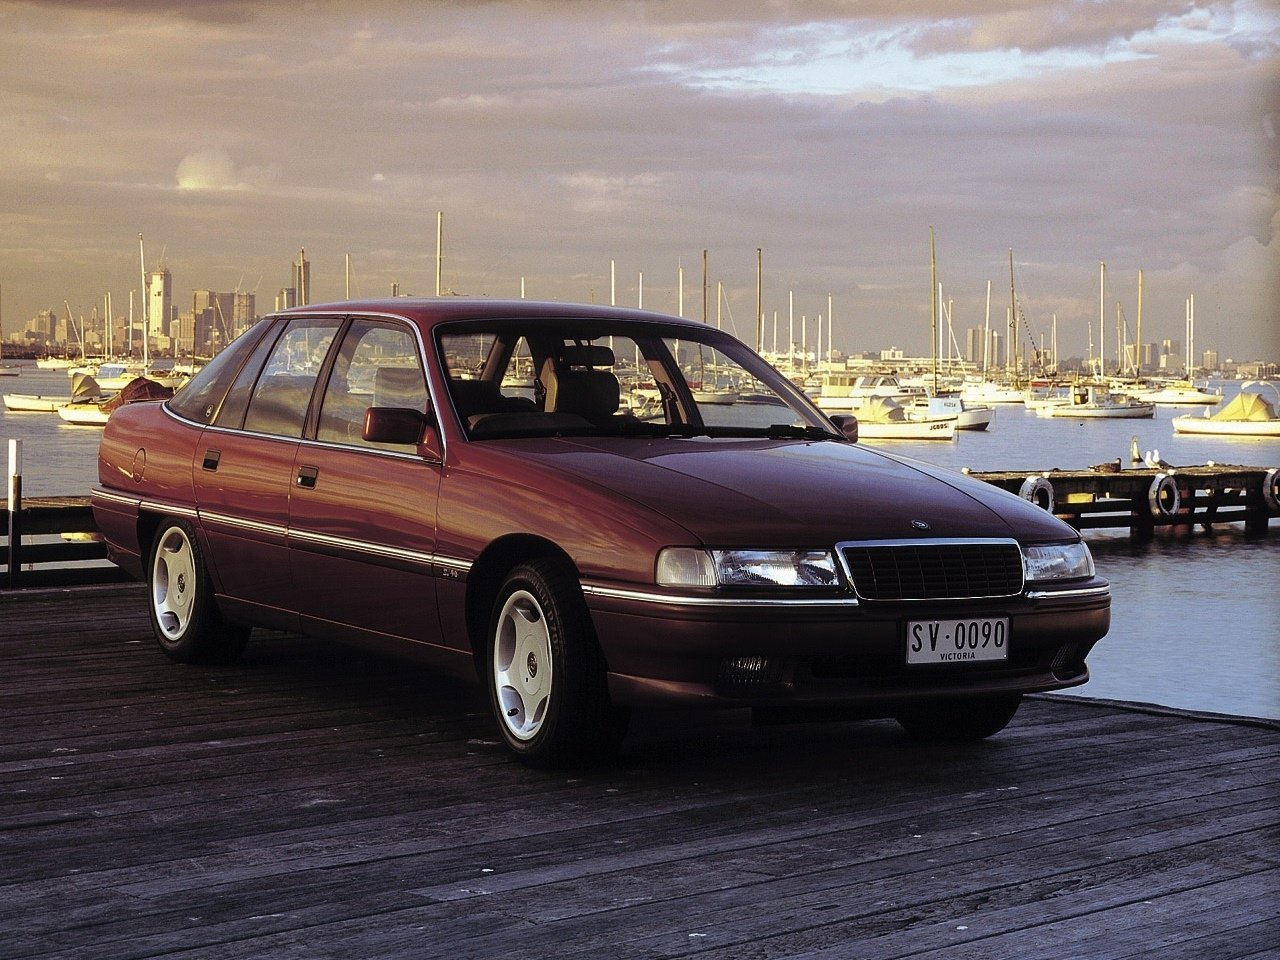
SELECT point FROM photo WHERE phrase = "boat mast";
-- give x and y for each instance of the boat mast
(759, 306)
(1102, 318)
(146, 306)
(986, 337)
(933, 307)
(1053, 343)
(439, 249)
(1137, 348)
(1011, 356)
(704, 285)
(1191, 335)
(830, 328)
(1120, 365)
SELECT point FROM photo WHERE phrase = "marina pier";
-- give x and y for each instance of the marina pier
(318, 801)
(1148, 498)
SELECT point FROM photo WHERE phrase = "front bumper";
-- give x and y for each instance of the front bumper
(726, 651)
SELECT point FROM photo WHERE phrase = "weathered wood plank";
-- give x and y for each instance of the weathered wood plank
(318, 801)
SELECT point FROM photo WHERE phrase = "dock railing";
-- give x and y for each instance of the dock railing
(50, 541)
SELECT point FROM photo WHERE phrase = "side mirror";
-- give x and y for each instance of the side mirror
(393, 425)
(848, 425)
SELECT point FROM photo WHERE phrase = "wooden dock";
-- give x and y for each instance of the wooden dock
(1145, 498)
(317, 802)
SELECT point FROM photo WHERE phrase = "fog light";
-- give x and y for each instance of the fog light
(747, 674)
(1067, 663)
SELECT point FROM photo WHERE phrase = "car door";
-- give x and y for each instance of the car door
(362, 515)
(244, 468)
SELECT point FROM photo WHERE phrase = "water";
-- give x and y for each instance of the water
(1195, 620)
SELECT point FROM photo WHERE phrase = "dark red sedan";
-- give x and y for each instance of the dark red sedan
(594, 507)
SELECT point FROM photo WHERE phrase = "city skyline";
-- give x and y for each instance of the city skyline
(563, 139)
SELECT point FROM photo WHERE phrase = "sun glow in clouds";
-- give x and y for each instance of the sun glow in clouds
(207, 170)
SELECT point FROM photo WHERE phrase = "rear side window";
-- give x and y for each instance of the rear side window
(200, 399)
(282, 394)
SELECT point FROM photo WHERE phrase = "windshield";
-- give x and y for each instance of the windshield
(574, 378)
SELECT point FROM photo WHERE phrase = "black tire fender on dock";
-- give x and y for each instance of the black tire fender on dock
(1038, 490)
(1271, 489)
(1164, 497)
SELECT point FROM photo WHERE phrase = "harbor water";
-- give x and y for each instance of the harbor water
(1195, 618)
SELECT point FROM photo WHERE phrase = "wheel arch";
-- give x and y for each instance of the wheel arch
(149, 524)
(487, 573)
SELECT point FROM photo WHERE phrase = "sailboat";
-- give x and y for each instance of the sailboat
(1249, 414)
(1180, 392)
(1091, 402)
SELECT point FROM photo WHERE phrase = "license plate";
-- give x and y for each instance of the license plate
(971, 640)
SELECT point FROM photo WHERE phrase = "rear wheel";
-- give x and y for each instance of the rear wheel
(545, 671)
(184, 614)
(956, 721)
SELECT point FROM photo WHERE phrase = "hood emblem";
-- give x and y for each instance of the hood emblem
(919, 525)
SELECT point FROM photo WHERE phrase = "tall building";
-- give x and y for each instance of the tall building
(184, 334)
(159, 303)
(244, 311)
(980, 346)
(44, 324)
(302, 279)
(286, 298)
(221, 307)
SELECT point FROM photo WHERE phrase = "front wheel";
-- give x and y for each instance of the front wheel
(184, 614)
(545, 671)
(956, 721)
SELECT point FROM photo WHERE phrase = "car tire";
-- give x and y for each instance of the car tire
(545, 671)
(184, 613)
(958, 721)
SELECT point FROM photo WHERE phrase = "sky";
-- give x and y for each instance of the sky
(592, 151)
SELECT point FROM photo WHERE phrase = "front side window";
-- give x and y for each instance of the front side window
(376, 366)
(201, 399)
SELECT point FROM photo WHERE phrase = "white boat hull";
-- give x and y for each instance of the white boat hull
(1181, 398)
(968, 416)
(1227, 428)
(992, 393)
(31, 403)
(1085, 411)
(83, 414)
(907, 429)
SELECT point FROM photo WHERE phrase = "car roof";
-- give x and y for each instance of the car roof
(430, 311)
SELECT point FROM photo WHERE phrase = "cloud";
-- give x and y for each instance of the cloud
(557, 136)
(207, 170)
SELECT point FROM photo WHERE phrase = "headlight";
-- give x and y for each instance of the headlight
(1057, 561)
(691, 567)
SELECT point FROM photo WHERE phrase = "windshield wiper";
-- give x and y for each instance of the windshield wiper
(777, 431)
(795, 431)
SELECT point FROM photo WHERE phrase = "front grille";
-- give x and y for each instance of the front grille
(933, 569)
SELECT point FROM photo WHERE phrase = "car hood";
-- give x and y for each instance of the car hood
(771, 492)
